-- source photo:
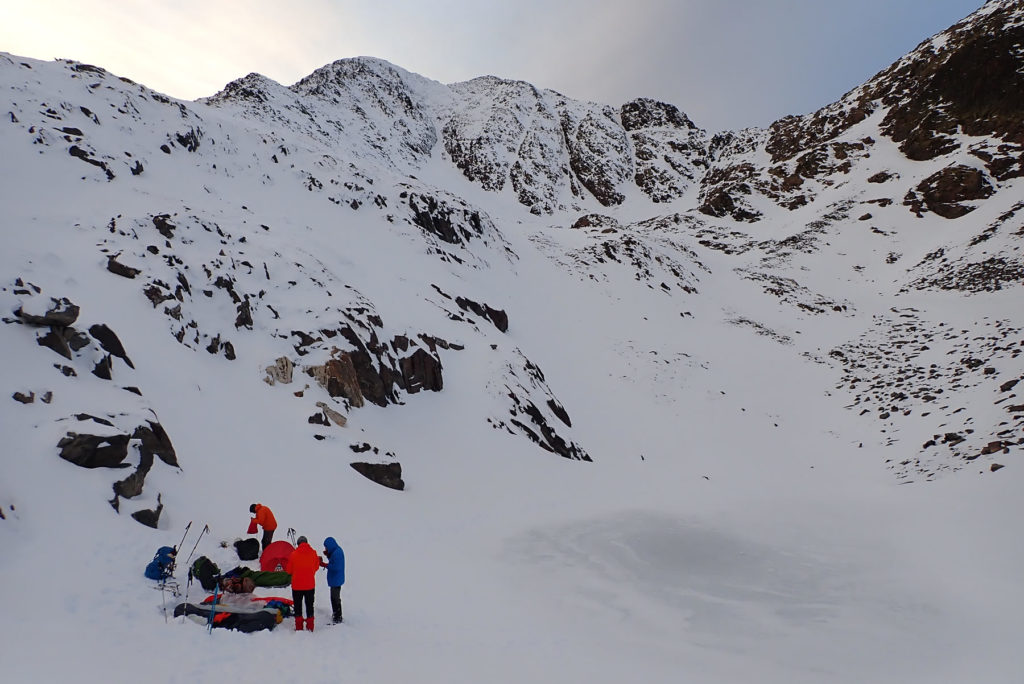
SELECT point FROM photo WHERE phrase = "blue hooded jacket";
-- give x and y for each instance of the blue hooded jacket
(335, 563)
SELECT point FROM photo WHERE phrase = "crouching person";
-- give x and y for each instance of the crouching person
(335, 574)
(302, 566)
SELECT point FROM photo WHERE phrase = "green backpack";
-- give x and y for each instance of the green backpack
(206, 571)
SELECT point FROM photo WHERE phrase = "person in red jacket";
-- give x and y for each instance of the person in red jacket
(265, 519)
(302, 566)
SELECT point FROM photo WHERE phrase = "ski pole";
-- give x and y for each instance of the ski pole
(163, 599)
(213, 607)
(206, 528)
(187, 587)
(187, 527)
(183, 537)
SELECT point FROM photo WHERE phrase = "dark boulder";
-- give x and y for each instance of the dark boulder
(95, 451)
(104, 368)
(559, 411)
(338, 376)
(79, 153)
(496, 316)
(943, 192)
(75, 339)
(244, 317)
(994, 447)
(63, 340)
(62, 314)
(163, 224)
(131, 486)
(385, 474)
(54, 340)
(150, 517)
(117, 268)
(110, 343)
(155, 442)
(421, 370)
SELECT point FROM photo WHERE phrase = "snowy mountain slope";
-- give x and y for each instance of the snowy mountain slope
(646, 389)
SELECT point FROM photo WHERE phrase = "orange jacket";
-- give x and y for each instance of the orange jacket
(302, 566)
(265, 517)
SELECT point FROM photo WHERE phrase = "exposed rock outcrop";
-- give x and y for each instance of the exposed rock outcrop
(385, 474)
(280, 372)
(945, 192)
(95, 451)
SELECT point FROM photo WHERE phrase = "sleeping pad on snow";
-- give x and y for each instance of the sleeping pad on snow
(247, 615)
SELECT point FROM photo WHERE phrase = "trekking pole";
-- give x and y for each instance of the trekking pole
(291, 535)
(213, 608)
(206, 528)
(163, 599)
(187, 527)
(183, 537)
(187, 587)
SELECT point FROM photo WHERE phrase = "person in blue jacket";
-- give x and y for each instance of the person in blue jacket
(335, 574)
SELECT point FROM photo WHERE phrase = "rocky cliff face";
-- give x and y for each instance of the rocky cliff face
(957, 95)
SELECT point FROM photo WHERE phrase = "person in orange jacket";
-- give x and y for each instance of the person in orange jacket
(265, 519)
(302, 566)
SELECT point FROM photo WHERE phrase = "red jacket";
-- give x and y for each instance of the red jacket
(302, 566)
(265, 518)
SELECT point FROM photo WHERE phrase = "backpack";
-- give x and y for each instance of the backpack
(237, 585)
(162, 565)
(206, 571)
(248, 549)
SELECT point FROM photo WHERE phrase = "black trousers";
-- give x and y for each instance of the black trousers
(300, 595)
(268, 536)
(336, 603)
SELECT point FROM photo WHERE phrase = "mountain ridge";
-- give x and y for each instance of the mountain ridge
(359, 132)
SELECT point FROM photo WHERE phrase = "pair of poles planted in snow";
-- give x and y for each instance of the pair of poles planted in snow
(213, 608)
(206, 528)
(163, 584)
(188, 585)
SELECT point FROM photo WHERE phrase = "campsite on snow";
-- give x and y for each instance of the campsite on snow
(555, 390)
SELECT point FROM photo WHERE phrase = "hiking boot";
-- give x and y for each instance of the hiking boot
(298, 624)
(309, 624)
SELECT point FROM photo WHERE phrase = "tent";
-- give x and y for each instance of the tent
(275, 556)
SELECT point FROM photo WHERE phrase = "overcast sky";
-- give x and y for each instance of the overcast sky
(726, 63)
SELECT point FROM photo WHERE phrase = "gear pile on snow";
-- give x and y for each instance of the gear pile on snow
(244, 614)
